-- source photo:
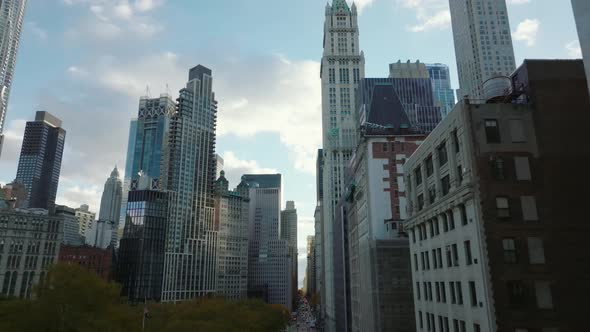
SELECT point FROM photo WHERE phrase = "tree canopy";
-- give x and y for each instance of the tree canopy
(70, 298)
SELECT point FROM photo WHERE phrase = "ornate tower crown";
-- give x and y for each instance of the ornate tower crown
(340, 6)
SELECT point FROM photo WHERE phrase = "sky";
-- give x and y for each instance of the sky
(89, 61)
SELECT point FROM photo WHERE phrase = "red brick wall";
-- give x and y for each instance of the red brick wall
(94, 259)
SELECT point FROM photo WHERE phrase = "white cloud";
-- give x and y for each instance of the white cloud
(432, 14)
(527, 31)
(573, 49)
(518, 2)
(73, 195)
(77, 72)
(37, 30)
(362, 4)
(234, 168)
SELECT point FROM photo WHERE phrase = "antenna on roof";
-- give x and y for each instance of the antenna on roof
(147, 91)
(167, 89)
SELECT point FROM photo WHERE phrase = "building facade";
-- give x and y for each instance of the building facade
(110, 204)
(343, 66)
(86, 219)
(310, 270)
(483, 44)
(582, 16)
(375, 210)
(487, 231)
(140, 265)
(29, 243)
(269, 263)
(101, 234)
(289, 233)
(189, 269)
(39, 164)
(94, 259)
(444, 95)
(126, 186)
(414, 94)
(231, 221)
(12, 13)
(408, 70)
(71, 227)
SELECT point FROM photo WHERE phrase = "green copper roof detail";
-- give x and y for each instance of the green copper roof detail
(340, 5)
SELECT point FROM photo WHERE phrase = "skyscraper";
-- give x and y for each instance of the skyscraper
(11, 22)
(343, 66)
(110, 203)
(127, 177)
(483, 44)
(269, 267)
(189, 269)
(289, 233)
(40, 160)
(231, 221)
(444, 95)
(582, 16)
(85, 219)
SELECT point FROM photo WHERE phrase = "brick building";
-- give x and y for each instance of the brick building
(94, 259)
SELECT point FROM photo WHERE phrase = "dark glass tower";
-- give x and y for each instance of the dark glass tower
(40, 160)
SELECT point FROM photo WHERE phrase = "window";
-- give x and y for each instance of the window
(517, 131)
(492, 131)
(451, 219)
(463, 326)
(384, 145)
(446, 324)
(440, 261)
(473, 293)
(463, 210)
(516, 292)
(536, 251)
(543, 294)
(468, 257)
(452, 292)
(509, 247)
(431, 195)
(418, 290)
(456, 141)
(459, 292)
(435, 263)
(443, 292)
(420, 319)
(460, 174)
(420, 202)
(437, 288)
(523, 168)
(529, 208)
(498, 171)
(503, 207)
(455, 325)
(446, 185)
(442, 154)
(476, 328)
(455, 255)
(423, 261)
(416, 262)
(418, 175)
(449, 256)
(429, 166)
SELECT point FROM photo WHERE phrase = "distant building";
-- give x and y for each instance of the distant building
(110, 204)
(94, 259)
(71, 227)
(444, 95)
(128, 172)
(218, 164)
(14, 195)
(414, 94)
(101, 234)
(269, 261)
(493, 247)
(140, 264)
(289, 233)
(85, 219)
(11, 22)
(408, 70)
(29, 244)
(310, 270)
(231, 221)
(373, 213)
(39, 164)
(483, 44)
(582, 16)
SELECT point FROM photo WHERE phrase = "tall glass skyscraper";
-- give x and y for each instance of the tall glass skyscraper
(39, 165)
(483, 43)
(189, 270)
(11, 22)
(444, 95)
(110, 203)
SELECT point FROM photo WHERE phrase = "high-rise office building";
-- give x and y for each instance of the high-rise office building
(85, 219)
(231, 221)
(444, 95)
(372, 212)
(189, 269)
(408, 69)
(343, 66)
(289, 233)
(310, 276)
(71, 227)
(582, 16)
(493, 248)
(414, 94)
(127, 177)
(40, 160)
(269, 266)
(110, 204)
(483, 44)
(12, 13)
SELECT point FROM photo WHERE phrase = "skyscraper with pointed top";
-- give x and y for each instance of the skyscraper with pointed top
(110, 203)
(343, 67)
